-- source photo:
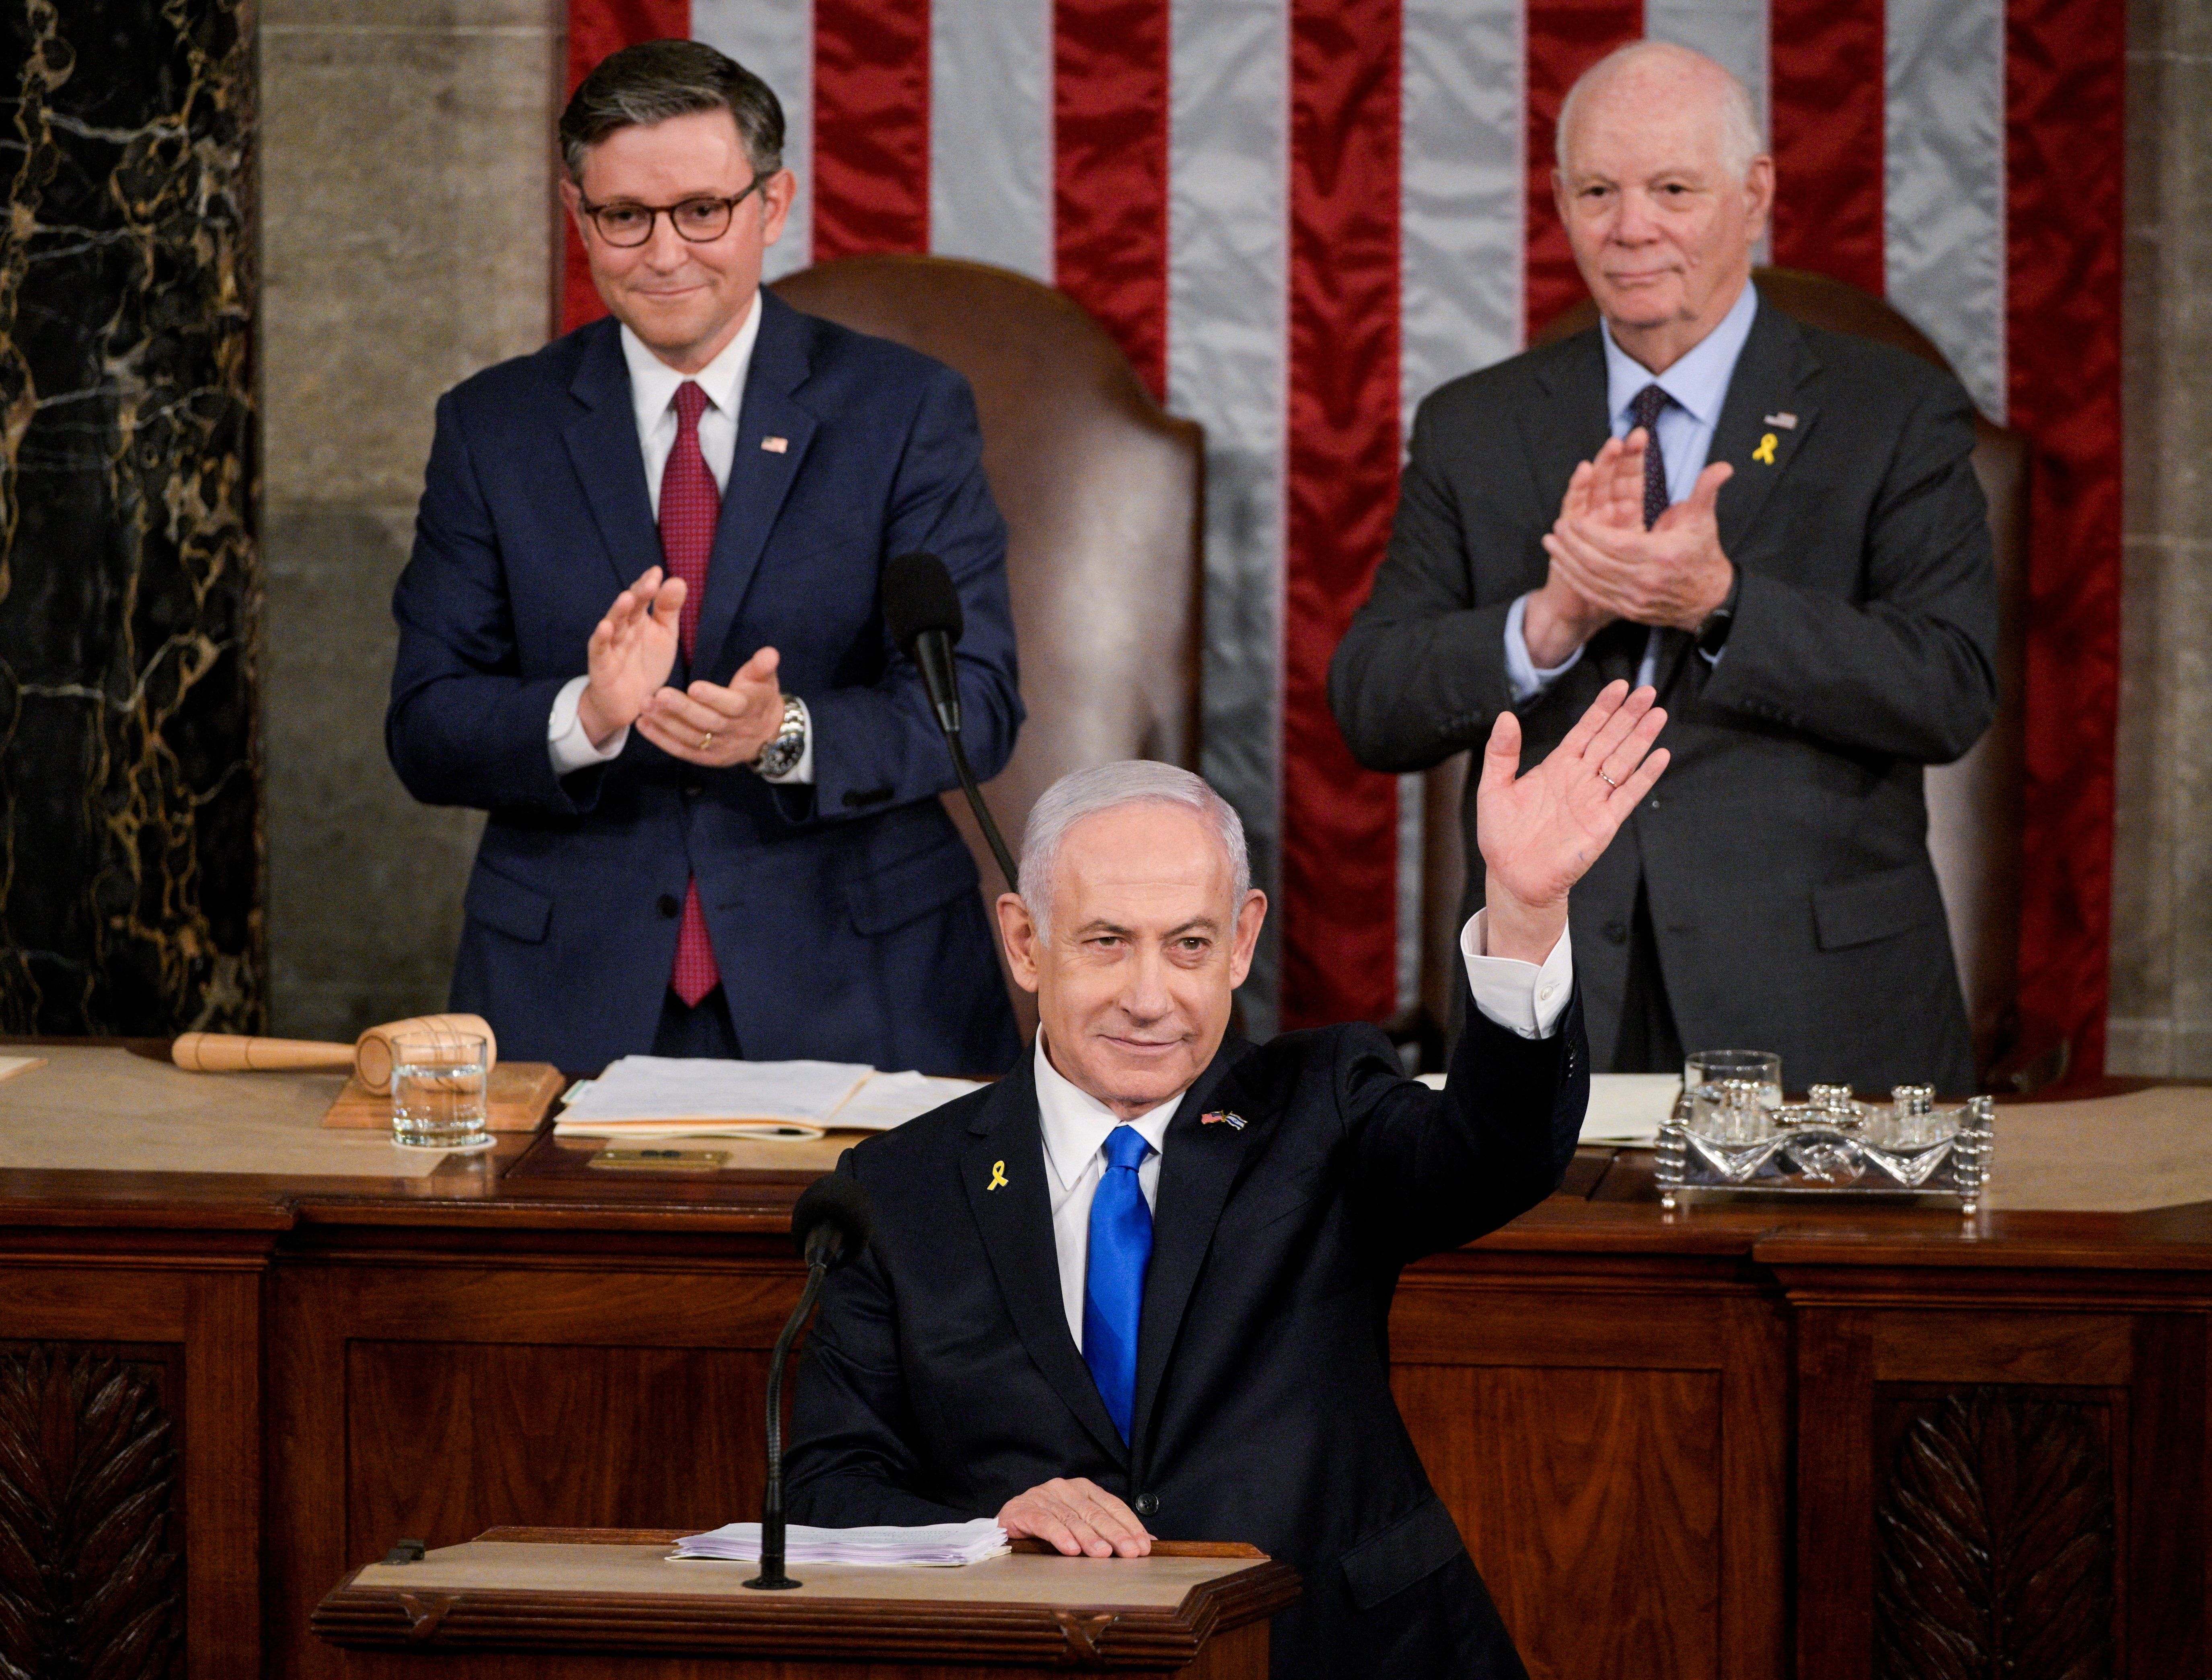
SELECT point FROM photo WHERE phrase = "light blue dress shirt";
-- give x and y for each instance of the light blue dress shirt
(1698, 384)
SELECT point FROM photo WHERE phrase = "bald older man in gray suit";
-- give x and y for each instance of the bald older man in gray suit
(1776, 526)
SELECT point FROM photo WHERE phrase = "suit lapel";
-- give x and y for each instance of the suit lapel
(1570, 425)
(603, 446)
(759, 478)
(1005, 1144)
(1198, 1167)
(1776, 364)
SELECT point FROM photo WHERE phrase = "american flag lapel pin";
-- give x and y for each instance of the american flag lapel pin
(776, 445)
(1787, 422)
(1223, 1117)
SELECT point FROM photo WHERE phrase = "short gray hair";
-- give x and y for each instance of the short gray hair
(653, 81)
(1740, 137)
(1105, 787)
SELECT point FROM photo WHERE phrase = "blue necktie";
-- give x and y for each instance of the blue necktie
(1113, 1279)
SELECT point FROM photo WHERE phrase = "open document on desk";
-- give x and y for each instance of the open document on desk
(931, 1545)
(673, 1096)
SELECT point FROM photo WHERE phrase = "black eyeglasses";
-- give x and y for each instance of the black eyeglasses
(701, 221)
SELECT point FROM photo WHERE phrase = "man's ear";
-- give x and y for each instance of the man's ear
(776, 198)
(572, 199)
(1249, 916)
(1758, 194)
(1017, 932)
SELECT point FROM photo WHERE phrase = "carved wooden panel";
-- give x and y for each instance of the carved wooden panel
(91, 1559)
(1591, 1501)
(1994, 1548)
(447, 1440)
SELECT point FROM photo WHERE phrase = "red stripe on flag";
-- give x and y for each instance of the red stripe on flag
(2064, 96)
(1565, 38)
(1826, 94)
(1109, 104)
(1339, 822)
(597, 28)
(871, 127)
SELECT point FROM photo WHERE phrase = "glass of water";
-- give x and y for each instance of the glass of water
(439, 1081)
(1708, 1074)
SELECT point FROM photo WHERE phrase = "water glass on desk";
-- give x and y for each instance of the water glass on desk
(439, 1083)
(1732, 1092)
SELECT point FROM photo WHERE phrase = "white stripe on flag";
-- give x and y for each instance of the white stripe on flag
(990, 133)
(1731, 32)
(1228, 183)
(775, 42)
(1461, 198)
(1944, 187)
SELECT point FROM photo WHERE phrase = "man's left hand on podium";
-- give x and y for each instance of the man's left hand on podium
(1078, 1518)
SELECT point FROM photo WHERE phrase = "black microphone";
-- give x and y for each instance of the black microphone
(922, 610)
(831, 1227)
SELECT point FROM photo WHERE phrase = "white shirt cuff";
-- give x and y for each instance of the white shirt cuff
(804, 770)
(1521, 672)
(569, 747)
(1520, 996)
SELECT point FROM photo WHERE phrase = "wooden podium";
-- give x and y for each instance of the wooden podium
(547, 1603)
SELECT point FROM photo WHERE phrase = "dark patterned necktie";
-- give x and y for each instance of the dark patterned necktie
(1643, 410)
(689, 505)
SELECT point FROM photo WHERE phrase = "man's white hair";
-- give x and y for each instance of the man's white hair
(1105, 787)
(1739, 118)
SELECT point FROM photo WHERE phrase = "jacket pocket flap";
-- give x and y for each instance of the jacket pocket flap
(1874, 906)
(522, 912)
(1416, 1545)
(884, 899)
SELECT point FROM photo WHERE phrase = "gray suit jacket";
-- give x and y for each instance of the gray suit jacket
(1785, 849)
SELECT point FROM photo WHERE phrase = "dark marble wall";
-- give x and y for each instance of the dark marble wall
(128, 585)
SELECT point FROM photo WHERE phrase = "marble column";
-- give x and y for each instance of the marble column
(128, 591)
(407, 207)
(2162, 1014)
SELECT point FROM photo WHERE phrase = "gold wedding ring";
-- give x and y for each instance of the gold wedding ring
(708, 740)
(1606, 779)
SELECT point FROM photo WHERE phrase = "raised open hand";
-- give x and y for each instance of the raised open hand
(1539, 832)
(631, 652)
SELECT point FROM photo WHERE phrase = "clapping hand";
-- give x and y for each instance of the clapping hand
(1539, 832)
(631, 652)
(1674, 574)
(716, 726)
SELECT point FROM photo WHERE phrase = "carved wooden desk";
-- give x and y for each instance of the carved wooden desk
(554, 1604)
(1742, 1441)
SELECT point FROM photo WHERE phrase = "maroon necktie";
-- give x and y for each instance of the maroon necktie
(1642, 410)
(689, 505)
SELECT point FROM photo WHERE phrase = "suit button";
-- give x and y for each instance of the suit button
(692, 784)
(1146, 1505)
(671, 906)
(1617, 933)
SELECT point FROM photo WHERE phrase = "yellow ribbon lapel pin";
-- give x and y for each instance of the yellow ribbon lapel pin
(1765, 452)
(998, 1176)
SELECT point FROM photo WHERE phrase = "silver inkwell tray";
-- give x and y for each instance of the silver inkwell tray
(1731, 1131)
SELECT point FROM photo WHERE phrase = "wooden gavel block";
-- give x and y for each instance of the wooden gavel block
(369, 1057)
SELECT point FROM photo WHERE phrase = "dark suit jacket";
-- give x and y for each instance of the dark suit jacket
(941, 1379)
(1785, 848)
(844, 916)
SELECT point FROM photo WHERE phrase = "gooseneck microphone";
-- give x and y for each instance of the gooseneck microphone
(831, 1227)
(922, 610)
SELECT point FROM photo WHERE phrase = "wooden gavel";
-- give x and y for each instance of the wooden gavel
(369, 1058)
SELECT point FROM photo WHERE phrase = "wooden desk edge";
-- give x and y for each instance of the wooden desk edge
(1102, 1636)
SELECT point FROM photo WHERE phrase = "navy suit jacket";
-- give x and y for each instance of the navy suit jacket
(941, 1379)
(844, 915)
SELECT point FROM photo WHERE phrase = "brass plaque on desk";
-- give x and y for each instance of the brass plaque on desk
(628, 1160)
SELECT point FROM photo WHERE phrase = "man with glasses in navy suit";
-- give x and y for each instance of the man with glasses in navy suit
(641, 628)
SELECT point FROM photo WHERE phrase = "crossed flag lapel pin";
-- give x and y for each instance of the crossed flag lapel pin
(1223, 1117)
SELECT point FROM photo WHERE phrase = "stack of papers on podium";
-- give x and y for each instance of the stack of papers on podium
(678, 1096)
(936, 1545)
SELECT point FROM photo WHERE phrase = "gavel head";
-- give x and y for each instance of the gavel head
(373, 1054)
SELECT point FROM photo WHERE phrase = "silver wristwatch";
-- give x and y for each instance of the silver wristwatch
(780, 756)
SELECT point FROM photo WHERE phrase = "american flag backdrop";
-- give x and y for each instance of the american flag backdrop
(1298, 216)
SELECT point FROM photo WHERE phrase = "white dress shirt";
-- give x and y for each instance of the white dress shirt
(652, 387)
(1523, 997)
(1698, 385)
